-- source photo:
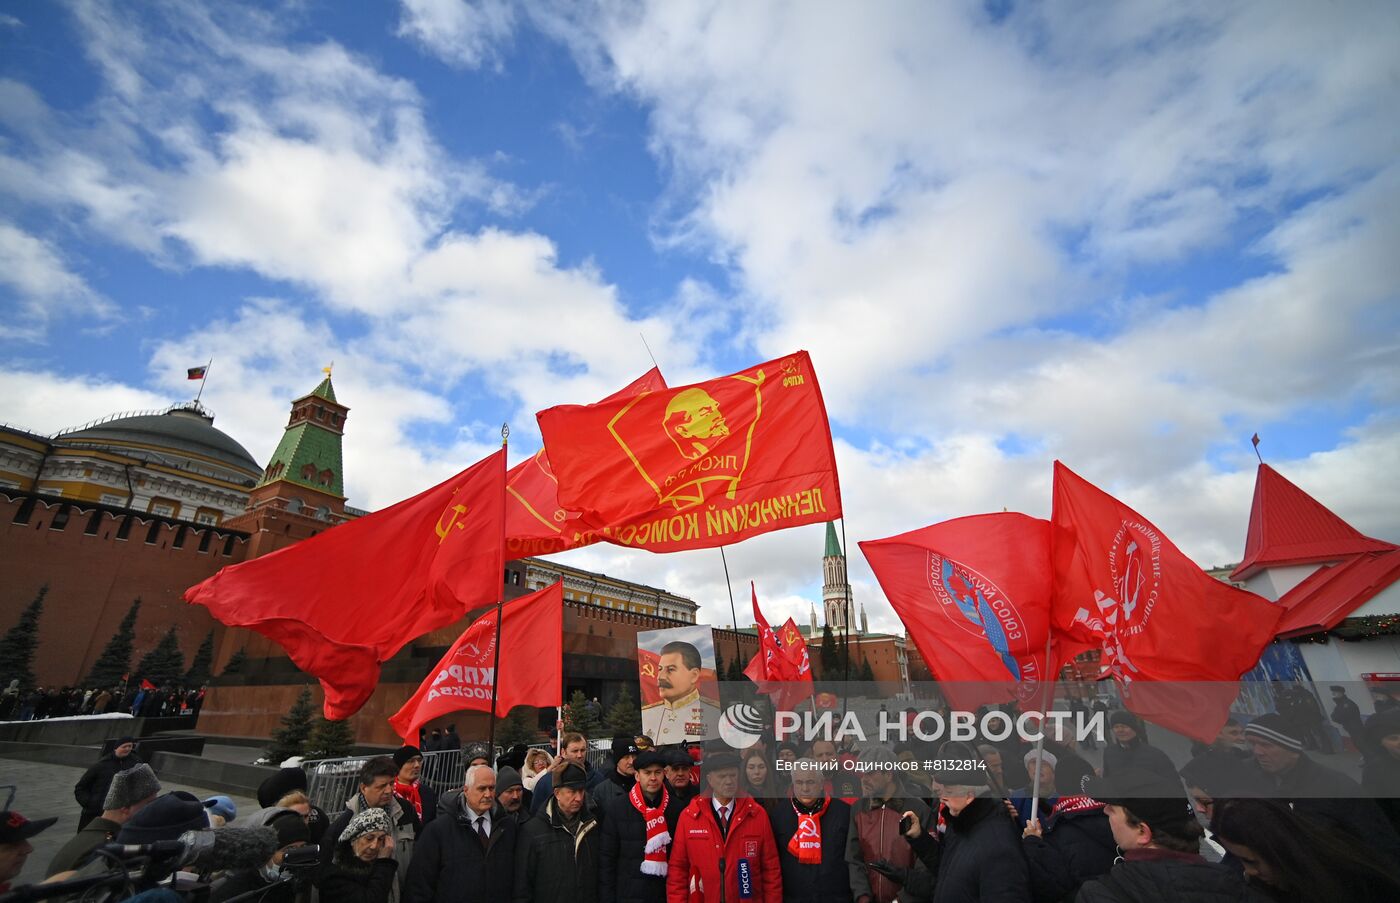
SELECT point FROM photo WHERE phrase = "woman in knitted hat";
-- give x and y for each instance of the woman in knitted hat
(363, 866)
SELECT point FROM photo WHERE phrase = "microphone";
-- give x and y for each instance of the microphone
(208, 850)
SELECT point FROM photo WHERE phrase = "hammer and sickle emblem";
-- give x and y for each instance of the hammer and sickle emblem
(454, 514)
(649, 670)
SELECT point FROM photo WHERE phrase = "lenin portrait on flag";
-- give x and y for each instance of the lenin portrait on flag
(710, 432)
(679, 691)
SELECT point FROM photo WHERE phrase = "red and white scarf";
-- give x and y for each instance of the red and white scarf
(806, 844)
(658, 838)
(410, 793)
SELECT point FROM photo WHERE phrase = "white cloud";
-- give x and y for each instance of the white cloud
(45, 402)
(44, 289)
(468, 34)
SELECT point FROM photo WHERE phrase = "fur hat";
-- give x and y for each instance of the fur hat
(405, 753)
(131, 786)
(280, 784)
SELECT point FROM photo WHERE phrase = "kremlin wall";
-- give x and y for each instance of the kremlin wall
(145, 505)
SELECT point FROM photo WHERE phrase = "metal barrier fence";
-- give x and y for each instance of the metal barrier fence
(330, 782)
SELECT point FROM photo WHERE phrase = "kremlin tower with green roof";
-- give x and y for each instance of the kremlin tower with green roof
(302, 489)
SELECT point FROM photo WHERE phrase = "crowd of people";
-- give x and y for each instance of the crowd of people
(1252, 816)
(38, 704)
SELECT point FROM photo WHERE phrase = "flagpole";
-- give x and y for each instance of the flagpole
(733, 614)
(203, 379)
(845, 549)
(1040, 743)
(496, 668)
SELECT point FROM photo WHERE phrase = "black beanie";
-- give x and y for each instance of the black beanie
(405, 753)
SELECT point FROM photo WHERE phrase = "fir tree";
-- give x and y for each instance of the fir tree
(235, 662)
(18, 644)
(198, 675)
(867, 673)
(624, 717)
(290, 738)
(115, 661)
(164, 664)
(519, 727)
(330, 739)
(736, 671)
(830, 659)
(580, 716)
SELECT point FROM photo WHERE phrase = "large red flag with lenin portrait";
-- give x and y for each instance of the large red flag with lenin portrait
(535, 524)
(531, 664)
(974, 594)
(702, 465)
(776, 673)
(349, 598)
(1174, 639)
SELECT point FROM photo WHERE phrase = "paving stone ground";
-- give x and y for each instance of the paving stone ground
(44, 791)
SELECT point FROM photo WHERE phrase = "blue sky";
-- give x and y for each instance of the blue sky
(1006, 232)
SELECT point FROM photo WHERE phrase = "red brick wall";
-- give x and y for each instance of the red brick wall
(92, 580)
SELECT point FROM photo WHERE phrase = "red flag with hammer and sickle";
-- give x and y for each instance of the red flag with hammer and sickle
(699, 466)
(531, 671)
(349, 598)
(535, 524)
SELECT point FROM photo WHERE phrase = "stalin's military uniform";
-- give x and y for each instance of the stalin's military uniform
(692, 718)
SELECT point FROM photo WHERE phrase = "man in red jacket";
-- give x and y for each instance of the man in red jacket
(723, 849)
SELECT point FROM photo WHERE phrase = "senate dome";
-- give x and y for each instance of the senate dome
(182, 436)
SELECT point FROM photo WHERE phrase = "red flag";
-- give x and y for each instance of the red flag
(648, 663)
(774, 674)
(974, 593)
(1122, 585)
(147, 685)
(535, 524)
(531, 664)
(351, 597)
(795, 649)
(702, 465)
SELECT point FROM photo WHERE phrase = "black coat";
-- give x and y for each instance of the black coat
(828, 881)
(1381, 781)
(450, 865)
(247, 880)
(980, 859)
(1075, 847)
(1334, 801)
(621, 849)
(1137, 754)
(553, 865)
(1167, 881)
(356, 882)
(1070, 768)
(91, 789)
